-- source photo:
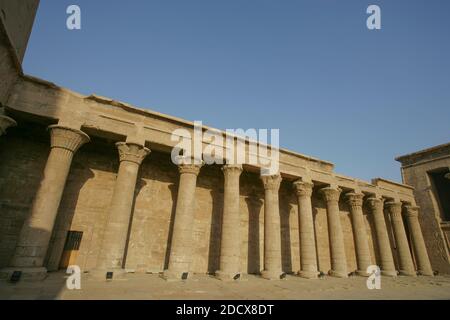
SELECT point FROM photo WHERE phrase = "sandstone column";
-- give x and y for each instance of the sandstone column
(113, 247)
(230, 258)
(272, 232)
(181, 246)
(337, 248)
(5, 123)
(420, 250)
(37, 229)
(406, 266)
(308, 255)
(355, 202)
(384, 247)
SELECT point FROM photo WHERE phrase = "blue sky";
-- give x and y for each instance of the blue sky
(336, 90)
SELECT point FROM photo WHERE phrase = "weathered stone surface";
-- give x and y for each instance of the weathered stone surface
(308, 252)
(230, 256)
(416, 169)
(355, 202)
(385, 259)
(418, 244)
(335, 232)
(141, 214)
(272, 241)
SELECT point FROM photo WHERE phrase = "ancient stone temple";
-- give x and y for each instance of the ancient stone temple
(89, 181)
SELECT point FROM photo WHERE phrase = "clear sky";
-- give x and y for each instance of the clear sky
(336, 90)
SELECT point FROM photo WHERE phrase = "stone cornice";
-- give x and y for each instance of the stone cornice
(426, 154)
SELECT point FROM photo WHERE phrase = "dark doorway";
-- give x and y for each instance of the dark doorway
(441, 187)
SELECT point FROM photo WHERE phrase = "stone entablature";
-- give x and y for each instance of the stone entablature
(421, 157)
(107, 118)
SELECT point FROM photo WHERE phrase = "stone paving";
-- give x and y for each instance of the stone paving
(151, 286)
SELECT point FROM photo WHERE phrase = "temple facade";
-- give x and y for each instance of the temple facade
(89, 181)
(428, 171)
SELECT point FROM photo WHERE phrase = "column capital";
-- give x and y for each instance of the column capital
(394, 208)
(375, 203)
(271, 182)
(67, 138)
(132, 152)
(303, 189)
(354, 199)
(5, 123)
(412, 211)
(191, 168)
(330, 193)
(232, 168)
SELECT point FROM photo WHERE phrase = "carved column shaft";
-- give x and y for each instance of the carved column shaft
(181, 246)
(355, 201)
(384, 246)
(406, 266)
(308, 253)
(112, 253)
(230, 258)
(420, 250)
(35, 234)
(337, 248)
(272, 232)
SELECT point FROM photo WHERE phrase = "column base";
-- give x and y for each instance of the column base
(408, 273)
(272, 275)
(389, 273)
(169, 275)
(28, 274)
(308, 274)
(425, 273)
(338, 274)
(362, 273)
(228, 276)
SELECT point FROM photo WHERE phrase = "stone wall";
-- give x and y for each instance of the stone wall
(23, 153)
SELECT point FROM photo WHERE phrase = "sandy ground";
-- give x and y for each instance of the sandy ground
(147, 286)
